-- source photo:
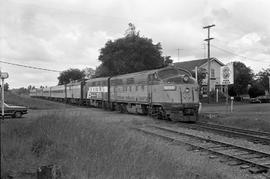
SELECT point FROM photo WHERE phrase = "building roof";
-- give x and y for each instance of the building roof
(190, 65)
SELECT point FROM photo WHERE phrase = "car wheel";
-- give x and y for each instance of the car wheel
(18, 114)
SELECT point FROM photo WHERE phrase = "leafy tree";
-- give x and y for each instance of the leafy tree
(263, 78)
(167, 60)
(21, 90)
(6, 87)
(256, 90)
(70, 75)
(242, 77)
(89, 72)
(129, 54)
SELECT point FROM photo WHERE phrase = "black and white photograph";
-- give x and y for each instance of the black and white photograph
(135, 89)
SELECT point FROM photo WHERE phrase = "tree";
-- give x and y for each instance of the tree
(263, 78)
(256, 90)
(70, 75)
(6, 87)
(167, 60)
(89, 72)
(242, 77)
(129, 54)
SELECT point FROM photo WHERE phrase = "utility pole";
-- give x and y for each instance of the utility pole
(178, 50)
(3, 75)
(208, 54)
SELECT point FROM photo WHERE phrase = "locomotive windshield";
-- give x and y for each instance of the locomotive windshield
(171, 72)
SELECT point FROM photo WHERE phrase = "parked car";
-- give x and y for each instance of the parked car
(13, 111)
(264, 99)
(255, 100)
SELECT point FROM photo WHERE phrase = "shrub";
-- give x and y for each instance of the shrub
(256, 90)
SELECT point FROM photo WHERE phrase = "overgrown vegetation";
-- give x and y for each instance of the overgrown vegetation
(246, 116)
(31, 103)
(82, 148)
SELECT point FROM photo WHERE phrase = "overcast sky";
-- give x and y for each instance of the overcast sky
(62, 34)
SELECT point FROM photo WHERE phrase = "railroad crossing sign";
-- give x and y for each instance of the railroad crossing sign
(227, 74)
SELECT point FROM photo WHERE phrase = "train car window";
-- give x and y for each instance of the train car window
(150, 77)
(94, 83)
(130, 81)
(113, 82)
(136, 88)
(104, 83)
(143, 87)
(119, 82)
(116, 82)
(129, 88)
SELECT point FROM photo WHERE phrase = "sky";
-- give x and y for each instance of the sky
(63, 34)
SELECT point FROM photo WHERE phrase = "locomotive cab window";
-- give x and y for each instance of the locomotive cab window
(172, 72)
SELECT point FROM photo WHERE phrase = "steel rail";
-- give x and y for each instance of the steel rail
(253, 132)
(216, 149)
(256, 136)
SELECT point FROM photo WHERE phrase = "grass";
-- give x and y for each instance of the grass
(247, 116)
(83, 147)
(32, 103)
(95, 150)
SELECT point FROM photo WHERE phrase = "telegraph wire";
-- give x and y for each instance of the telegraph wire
(227, 51)
(235, 54)
(28, 66)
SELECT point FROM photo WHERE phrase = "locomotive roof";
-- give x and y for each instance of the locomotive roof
(97, 79)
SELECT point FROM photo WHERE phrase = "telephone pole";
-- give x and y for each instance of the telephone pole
(208, 54)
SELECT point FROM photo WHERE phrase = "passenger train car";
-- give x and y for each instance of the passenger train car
(168, 93)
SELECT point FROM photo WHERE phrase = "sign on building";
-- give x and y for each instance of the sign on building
(227, 74)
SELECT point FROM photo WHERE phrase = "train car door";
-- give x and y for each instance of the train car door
(149, 89)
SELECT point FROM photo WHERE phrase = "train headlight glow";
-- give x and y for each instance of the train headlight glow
(187, 90)
(185, 78)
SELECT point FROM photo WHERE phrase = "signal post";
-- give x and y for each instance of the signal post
(3, 75)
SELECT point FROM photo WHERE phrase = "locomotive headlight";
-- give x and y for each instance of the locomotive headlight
(187, 90)
(185, 78)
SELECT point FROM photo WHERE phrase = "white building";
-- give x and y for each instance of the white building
(215, 65)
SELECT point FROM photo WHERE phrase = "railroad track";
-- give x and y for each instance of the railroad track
(250, 135)
(246, 158)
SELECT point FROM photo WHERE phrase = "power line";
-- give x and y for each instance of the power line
(28, 66)
(235, 54)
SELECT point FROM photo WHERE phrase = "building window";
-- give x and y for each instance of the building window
(212, 73)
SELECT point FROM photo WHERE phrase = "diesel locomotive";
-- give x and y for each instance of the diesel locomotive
(168, 93)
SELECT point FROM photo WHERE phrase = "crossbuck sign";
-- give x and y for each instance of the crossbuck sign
(227, 74)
